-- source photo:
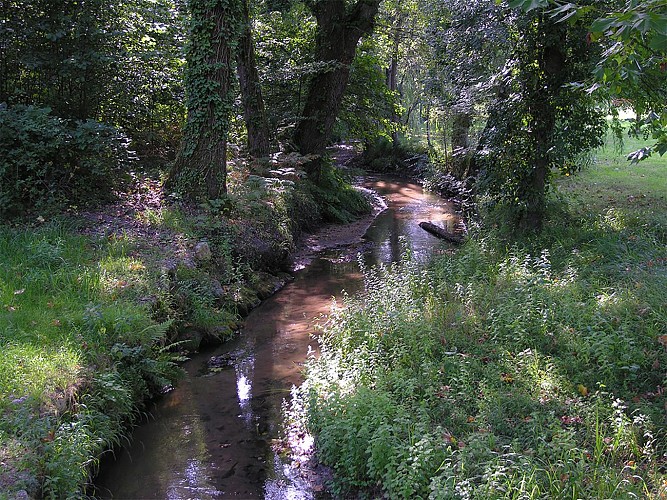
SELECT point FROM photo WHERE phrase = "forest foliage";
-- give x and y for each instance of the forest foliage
(102, 98)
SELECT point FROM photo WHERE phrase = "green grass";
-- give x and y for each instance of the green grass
(509, 369)
(612, 182)
(67, 333)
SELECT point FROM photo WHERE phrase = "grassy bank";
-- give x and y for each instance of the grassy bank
(78, 357)
(99, 307)
(530, 368)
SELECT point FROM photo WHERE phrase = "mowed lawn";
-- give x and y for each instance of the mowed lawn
(612, 182)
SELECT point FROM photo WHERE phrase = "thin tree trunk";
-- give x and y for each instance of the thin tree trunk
(428, 124)
(392, 75)
(254, 112)
(338, 32)
(461, 122)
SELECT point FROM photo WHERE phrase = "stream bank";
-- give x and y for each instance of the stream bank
(220, 432)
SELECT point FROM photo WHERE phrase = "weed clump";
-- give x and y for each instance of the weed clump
(534, 367)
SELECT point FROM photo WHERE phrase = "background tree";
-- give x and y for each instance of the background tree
(116, 61)
(200, 170)
(57, 53)
(285, 52)
(254, 112)
(470, 45)
(339, 28)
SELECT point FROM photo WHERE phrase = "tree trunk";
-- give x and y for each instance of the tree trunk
(338, 32)
(254, 112)
(200, 170)
(392, 74)
(541, 107)
(461, 123)
(428, 124)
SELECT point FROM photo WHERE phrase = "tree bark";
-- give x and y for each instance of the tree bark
(254, 112)
(392, 74)
(461, 123)
(551, 61)
(200, 170)
(338, 32)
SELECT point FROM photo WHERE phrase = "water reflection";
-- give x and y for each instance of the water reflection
(244, 368)
(211, 437)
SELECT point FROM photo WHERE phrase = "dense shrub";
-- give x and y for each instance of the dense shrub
(48, 162)
(406, 157)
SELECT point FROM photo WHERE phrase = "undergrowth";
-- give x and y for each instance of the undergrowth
(78, 357)
(93, 319)
(509, 369)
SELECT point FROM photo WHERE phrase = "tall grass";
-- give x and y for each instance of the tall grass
(78, 355)
(529, 368)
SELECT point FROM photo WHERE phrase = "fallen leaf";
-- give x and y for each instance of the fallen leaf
(583, 390)
(49, 437)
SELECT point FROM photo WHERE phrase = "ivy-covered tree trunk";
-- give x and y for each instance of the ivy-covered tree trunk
(339, 29)
(541, 98)
(200, 170)
(254, 112)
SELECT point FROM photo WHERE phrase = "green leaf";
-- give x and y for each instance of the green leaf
(528, 5)
(565, 12)
(658, 23)
(602, 24)
(658, 42)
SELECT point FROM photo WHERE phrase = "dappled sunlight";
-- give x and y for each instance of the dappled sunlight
(38, 371)
(613, 219)
(120, 273)
(531, 369)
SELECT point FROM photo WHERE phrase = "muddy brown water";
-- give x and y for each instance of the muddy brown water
(211, 436)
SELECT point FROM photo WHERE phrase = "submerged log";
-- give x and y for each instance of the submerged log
(441, 232)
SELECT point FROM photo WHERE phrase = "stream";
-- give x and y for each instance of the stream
(212, 436)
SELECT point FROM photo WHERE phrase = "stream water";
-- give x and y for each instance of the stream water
(211, 436)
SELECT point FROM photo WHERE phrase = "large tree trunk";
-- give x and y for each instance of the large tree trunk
(551, 61)
(254, 112)
(542, 109)
(338, 32)
(200, 170)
